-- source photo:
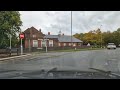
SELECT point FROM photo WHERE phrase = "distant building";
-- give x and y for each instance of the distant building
(63, 40)
(33, 37)
(36, 39)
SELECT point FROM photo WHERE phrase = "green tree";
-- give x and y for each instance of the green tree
(10, 23)
(94, 37)
(118, 29)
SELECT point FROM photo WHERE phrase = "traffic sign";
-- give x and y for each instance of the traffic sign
(21, 35)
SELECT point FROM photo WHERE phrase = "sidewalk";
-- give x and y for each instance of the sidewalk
(1, 59)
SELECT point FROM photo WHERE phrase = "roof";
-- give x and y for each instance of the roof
(29, 29)
(51, 36)
(33, 30)
(63, 38)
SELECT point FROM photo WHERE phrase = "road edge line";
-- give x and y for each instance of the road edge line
(14, 57)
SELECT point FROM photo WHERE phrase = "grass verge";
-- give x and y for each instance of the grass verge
(73, 50)
(70, 50)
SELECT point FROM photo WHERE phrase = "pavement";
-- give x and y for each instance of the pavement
(13, 57)
(108, 60)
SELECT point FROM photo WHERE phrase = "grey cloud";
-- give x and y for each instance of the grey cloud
(83, 21)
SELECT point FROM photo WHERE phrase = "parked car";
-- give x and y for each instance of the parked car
(111, 46)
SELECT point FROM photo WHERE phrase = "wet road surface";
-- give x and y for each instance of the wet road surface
(108, 60)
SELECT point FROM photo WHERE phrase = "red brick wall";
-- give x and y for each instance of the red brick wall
(31, 43)
(67, 44)
(29, 35)
(26, 44)
(47, 43)
(39, 43)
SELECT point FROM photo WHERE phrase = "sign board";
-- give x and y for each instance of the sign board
(21, 35)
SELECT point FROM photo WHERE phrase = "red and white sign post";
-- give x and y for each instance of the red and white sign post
(21, 37)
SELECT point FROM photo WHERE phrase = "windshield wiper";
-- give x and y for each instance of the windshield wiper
(47, 71)
(106, 72)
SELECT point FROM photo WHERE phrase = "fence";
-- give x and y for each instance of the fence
(53, 48)
(9, 52)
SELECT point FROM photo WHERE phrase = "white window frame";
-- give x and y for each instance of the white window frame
(50, 42)
(74, 44)
(34, 43)
(34, 36)
(64, 44)
(70, 44)
(43, 43)
(59, 44)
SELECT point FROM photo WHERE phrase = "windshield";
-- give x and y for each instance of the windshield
(60, 44)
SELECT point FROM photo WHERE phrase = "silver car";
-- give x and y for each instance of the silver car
(111, 46)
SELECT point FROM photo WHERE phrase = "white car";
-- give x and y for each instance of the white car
(111, 46)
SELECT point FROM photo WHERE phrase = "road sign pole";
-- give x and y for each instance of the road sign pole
(21, 37)
(21, 47)
(46, 46)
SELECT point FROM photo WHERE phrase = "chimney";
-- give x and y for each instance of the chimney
(40, 30)
(48, 33)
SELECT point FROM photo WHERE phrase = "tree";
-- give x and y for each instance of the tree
(107, 37)
(94, 37)
(116, 37)
(10, 23)
(118, 29)
(79, 36)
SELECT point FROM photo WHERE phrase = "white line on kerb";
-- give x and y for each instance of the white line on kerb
(14, 57)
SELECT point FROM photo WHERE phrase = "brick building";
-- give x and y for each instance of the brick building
(33, 37)
(36, 39)
(63, 40)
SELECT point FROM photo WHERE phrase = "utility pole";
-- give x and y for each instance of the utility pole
(101, 36)
(71, 28)
(46, 43)
(10, 44)
(10, 41)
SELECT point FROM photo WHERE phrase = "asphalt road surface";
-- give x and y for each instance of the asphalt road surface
(108, 60)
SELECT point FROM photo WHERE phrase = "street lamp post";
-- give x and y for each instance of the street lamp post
(71, 28)
(101, 36)
(10, 41)
(46, 46)
(46, 43)
(10, 44)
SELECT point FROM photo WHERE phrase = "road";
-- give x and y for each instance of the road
(108, 60)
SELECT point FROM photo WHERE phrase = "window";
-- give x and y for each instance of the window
(74, 44)
(59, 44)
(79, 44)
(69, 44)
(50, 43)
(35, 43)
(34, 36)
(64, 44)
(43, 43)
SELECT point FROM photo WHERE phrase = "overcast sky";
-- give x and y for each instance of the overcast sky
(82, 21)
